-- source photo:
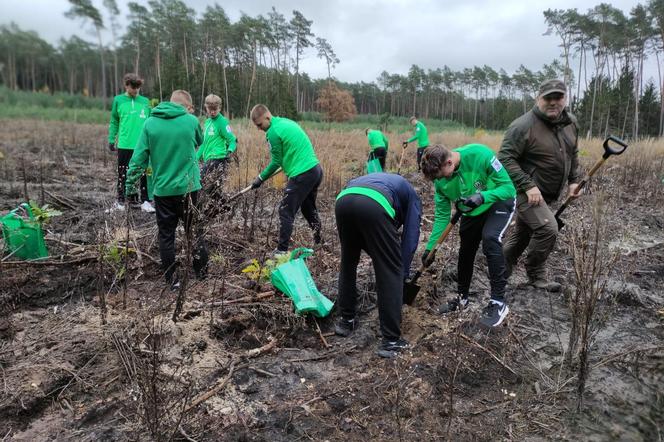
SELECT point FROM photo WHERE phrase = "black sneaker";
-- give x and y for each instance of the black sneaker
(454, 304)
(494, 313)
(344, 327)
(389, 349)
(318, 239)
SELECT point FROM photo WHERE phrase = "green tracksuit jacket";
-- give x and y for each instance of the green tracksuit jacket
(479, 171)
(290, 149)
(128, 115)
(377, 139)
(218, 139)
(421, 135)
(169, 140)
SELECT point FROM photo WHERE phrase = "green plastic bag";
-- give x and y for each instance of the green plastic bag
(24, 237)
(373, 165)
(294, 280)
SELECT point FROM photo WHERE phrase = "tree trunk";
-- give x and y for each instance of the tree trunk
(251, 83)
(158, 63)
(204, 73)
(103, 67)
(223, 71)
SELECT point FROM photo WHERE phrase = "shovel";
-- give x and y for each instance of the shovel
(410, 288)
(248, 188)
(403, 152)
(609, 149)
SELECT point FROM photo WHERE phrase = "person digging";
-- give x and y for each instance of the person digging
(473, 176)
(379, 144)
(290, 149)
(219, 145)
(420, 134)
(369, 213)
(168, 141)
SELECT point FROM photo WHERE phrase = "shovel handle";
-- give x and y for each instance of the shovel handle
(403, 152)
(609, 150)
(613, 146)
(455, 219)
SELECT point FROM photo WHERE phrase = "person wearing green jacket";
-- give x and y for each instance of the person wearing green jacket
(219, 144)
(168, 141)
(472, 176)
(290, 149)
(128, 114)
(219, 141)
(379, 144)
(421, 135)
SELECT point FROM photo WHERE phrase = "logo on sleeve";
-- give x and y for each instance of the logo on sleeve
(228, 129)
(496, 164)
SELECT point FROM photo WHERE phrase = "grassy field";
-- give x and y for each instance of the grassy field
(89, 110)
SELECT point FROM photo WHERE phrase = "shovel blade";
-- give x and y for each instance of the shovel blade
(410, 291)
(560, 222)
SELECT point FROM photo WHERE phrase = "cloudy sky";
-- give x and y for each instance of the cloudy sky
(370, 36)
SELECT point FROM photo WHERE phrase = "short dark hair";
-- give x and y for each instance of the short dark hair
(132, 80)
(433, 159)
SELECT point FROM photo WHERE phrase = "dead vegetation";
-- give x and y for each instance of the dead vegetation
(89, 350)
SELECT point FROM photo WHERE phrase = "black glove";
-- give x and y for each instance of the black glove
(404, 144)
(473, 201)
(257, 182)
(111, 147)
(428, 256)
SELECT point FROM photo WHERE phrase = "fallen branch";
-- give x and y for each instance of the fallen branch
(625, 353)
(251, 298)
(320, 333)
(324, 355)
(60, 199)
(489, 352)
(254, 352)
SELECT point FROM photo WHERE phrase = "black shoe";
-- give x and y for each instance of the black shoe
(201, 274)
(544, 284)
(344, 327)
(317, 237)
(389, 349)
(454, 304)
(494, 313)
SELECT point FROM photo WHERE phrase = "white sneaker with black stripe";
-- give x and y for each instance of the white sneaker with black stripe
(494, 313)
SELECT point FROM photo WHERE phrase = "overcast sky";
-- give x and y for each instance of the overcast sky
(370, 36)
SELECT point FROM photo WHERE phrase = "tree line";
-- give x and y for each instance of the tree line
(257, 59)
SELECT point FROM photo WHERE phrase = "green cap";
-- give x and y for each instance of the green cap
(551, 87)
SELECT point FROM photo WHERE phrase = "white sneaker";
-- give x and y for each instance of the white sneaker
(147, 207)
(115, 208)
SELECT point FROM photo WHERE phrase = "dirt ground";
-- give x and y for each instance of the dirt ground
(240, 365)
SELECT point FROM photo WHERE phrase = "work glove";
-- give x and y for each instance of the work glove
(111, 147)
(428, 256)
(257, 182)
(404, 144)
(473, 201)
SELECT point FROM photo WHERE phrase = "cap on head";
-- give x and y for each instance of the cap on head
(552, 86)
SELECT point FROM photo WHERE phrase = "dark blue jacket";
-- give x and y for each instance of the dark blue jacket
(405, 202)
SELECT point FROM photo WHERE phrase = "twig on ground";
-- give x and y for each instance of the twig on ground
(489, 352)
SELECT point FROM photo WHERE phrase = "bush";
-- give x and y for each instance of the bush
(338, 104)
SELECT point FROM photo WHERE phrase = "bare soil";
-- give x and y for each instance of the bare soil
(273, 376)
